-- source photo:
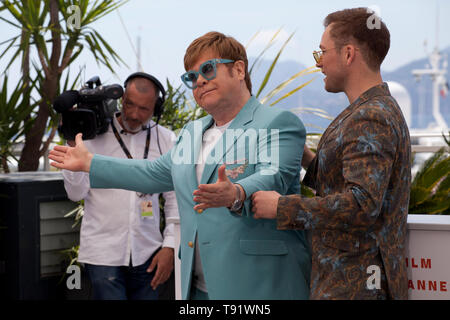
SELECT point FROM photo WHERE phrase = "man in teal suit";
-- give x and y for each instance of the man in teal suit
(216, 165)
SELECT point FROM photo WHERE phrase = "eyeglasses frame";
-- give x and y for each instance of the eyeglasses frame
(197, 73)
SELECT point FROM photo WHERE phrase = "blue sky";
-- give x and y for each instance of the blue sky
(167, 27)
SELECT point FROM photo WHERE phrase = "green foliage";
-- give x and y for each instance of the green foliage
(32, 17)
(91, 11)
(77, 212)
(14, 119)
(430, 189)
(72, 256)
(306, 192)
(55, 32)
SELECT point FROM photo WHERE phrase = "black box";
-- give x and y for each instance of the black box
(33, 234)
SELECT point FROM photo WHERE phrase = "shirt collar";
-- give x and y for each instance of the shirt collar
(378, 90)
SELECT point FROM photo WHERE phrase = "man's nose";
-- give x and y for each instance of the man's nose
(201, 81)
(132, 113)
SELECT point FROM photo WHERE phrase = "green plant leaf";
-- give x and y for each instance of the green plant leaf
(418, 195)
(436, 205)
(290, 93)
(272, 66)
(285, 83)
(435, 173)
(267, 47)
(306, 191)
(444, 186)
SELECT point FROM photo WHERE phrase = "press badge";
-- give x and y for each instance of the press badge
(146, 209)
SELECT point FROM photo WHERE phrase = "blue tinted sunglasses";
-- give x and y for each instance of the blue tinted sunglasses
(207, 70)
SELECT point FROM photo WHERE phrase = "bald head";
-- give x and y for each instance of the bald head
(143, 85)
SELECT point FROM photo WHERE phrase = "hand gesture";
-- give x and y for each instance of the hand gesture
(76, 158)
(220, 194)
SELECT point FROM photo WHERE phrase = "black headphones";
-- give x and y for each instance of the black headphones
(161, 99)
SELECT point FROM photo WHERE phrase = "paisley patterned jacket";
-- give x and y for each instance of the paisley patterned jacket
(362, 177)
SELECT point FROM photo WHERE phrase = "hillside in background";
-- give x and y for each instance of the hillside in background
(314, 95)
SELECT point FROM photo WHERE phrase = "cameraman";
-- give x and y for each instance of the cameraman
(125, 254)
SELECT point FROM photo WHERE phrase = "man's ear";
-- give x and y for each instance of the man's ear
(239, 67)
(350, 53)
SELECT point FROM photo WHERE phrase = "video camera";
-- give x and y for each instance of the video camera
(95, 108)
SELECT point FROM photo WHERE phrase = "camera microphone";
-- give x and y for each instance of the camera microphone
(66, 101)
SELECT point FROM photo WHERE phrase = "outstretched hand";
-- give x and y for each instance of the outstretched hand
(76, 158)
(216, 195)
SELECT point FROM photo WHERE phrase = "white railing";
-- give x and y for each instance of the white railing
(426, 149)
(429, 142)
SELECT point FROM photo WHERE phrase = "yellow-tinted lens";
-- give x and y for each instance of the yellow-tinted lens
(317, 56)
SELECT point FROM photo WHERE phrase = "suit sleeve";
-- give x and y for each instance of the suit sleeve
(284, 145)
(132, 174)
(369, 149)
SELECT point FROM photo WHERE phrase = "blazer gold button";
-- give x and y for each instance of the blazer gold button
(200, 210)
(190, 244)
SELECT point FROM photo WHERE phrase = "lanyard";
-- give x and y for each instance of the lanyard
(124, 147)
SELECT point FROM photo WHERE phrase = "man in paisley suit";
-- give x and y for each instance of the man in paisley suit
(217, 163)
(360, 173)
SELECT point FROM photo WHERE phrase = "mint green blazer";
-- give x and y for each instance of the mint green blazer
(242, 258)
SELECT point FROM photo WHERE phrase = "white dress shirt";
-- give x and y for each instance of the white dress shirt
(113, 231)
(210, 138)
